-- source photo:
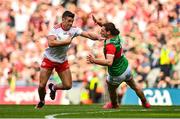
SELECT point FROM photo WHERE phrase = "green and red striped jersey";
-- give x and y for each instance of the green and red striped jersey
(113, 46)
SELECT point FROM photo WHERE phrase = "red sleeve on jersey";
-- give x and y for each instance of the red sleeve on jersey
(110, 49)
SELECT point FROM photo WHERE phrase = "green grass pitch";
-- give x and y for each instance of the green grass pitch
(88, 111)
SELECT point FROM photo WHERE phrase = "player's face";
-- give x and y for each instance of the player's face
(103, 32)
(67, 22)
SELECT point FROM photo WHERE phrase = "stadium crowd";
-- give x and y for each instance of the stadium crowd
(150, 29)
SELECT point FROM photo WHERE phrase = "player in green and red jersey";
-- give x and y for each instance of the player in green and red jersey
(118, 66)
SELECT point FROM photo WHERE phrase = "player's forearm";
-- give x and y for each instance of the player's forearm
(174, 82)
(103, 62)
(90, 35)
(53, 43)
(93, 36)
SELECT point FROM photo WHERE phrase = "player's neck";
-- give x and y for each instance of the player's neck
(62, 26)
(110, 37)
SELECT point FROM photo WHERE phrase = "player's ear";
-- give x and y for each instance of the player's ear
(108, 33)
(63, 19)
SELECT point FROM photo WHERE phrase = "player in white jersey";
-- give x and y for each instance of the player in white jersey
(55, 56)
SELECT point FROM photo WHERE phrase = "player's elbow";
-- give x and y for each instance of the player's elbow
(109, 63)
(51, 44)
(51, 40)
(67, 87)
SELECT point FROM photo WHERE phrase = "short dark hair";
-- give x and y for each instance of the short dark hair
(68, 14)
(111, 27)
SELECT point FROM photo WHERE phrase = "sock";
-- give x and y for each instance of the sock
(42, 93)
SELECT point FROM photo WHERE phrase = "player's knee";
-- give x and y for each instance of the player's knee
(42, 85)
(137, 88)
(67, 87)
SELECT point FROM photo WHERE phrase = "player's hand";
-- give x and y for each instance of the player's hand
(96, 21)
(100, 38)
(90, 58)
(167, 79)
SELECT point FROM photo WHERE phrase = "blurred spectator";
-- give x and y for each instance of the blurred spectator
(94, 93)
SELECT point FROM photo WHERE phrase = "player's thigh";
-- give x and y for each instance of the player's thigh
(132, 84)
(66, 77)
(44, 76)
(112, 88)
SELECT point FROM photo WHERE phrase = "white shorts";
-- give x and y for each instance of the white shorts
(116, 80)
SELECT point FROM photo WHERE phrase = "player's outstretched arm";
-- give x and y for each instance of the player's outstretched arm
(108, 61)
(91, 35)
(52, 41)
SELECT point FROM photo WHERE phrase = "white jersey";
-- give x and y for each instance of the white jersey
(59, 53)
